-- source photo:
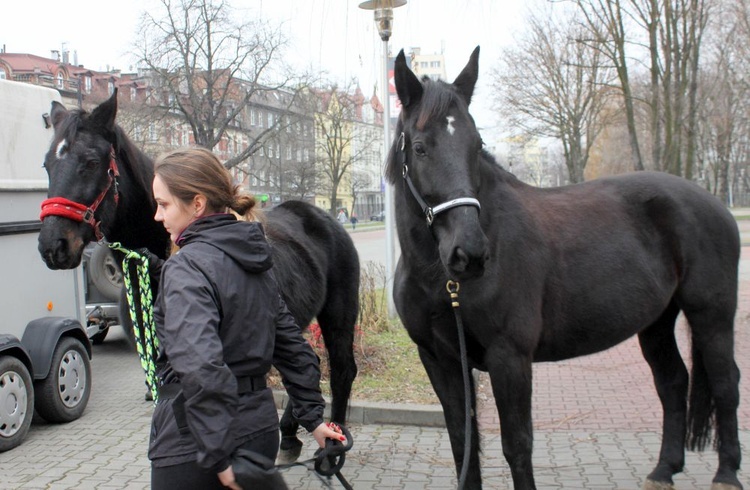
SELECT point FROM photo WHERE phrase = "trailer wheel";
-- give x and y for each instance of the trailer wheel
(16, 402)
(105, 273)
(64, 394)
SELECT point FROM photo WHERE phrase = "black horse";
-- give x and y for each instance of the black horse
(550, 274)
(100, 185)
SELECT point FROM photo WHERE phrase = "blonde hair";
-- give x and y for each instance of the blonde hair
(188, 172)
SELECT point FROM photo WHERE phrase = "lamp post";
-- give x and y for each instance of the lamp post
(383, 10)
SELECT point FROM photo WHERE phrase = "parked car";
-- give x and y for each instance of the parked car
(378, 217)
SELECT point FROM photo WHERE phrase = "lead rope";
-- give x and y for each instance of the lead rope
(328, 461)
(453, 287)
(144, 329)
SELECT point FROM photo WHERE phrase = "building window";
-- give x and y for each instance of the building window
(88, 85)
(60, 80)
(288, 152)
(3, 76)
(132, 93)
(253, 117)
(110, 87)
(152, 132)
(270, 119)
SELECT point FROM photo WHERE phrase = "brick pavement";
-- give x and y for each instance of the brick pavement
(106, 448)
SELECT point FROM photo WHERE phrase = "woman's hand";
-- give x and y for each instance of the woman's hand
(328, 431)
(226, 478)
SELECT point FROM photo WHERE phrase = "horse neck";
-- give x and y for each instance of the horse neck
(134, 225)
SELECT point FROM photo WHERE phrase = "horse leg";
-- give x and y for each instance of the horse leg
(290, 446)
(715, 375)
(510, 375)
(337, 320)
(671, 379)
(447, 381)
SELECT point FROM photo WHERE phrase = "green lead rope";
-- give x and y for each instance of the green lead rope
(144, 329)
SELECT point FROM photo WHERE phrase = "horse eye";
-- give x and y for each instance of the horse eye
(419, 149)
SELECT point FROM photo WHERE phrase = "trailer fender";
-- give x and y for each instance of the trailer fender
(41, 337)
(11, 346)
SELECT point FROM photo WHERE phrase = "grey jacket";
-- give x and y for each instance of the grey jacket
(219, 316)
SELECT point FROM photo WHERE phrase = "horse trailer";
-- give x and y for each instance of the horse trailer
(45, 349)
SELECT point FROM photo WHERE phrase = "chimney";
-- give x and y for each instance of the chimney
(66, 57)
(75, 57)
(55, 55)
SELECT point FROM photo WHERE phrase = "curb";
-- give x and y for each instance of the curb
(381, 413)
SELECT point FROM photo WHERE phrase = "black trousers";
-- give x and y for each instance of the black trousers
(190, 476)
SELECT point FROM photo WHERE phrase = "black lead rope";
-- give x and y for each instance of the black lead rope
(329, 460)
(453, 287)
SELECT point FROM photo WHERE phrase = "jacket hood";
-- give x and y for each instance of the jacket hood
(243, 241)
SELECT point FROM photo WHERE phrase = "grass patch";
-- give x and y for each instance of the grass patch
(389, 368)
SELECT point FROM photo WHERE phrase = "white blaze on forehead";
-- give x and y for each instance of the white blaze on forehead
(61, 147)
(450, 120)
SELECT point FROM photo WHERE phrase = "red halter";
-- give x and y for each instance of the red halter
(65, 208)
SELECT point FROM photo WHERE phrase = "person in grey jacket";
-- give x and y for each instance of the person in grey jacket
(221, 324)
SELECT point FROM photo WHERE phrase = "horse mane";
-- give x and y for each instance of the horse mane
(140, 165)
(437, 98)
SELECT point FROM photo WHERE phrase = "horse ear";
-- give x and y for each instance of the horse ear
(104, 114)
(58, 112)
(467, 79)
(408, 86)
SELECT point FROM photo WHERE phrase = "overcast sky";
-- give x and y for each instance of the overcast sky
(332, 35)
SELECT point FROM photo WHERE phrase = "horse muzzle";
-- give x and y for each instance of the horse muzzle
(60, 246)
(463, 246)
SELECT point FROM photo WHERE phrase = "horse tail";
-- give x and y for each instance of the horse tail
(701, 405)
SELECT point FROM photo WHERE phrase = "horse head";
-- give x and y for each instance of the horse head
(83, 180)
(436, 152)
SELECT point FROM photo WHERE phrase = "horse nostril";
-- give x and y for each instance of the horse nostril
(464, 262)
(460, 260)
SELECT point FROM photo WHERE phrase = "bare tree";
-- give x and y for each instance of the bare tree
(606, 22)
(671, 31)
(209, 68)
(723, 147)
(338, 143)
(553, 85)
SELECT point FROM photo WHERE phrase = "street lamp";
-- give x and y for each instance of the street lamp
(384, 20)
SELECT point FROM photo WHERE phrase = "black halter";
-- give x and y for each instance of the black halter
(429, 211)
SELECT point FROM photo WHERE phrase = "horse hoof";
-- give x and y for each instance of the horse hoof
(289, 451)
(657, 485)
(724, 486)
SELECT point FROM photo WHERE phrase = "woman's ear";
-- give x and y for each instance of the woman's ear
(199, 205)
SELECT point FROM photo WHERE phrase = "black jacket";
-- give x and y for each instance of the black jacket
(219, 316)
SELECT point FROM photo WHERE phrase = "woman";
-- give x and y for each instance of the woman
(221, 323)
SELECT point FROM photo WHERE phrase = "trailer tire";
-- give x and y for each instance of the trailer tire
(63, 395)
(105, 273)
(16, 402)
